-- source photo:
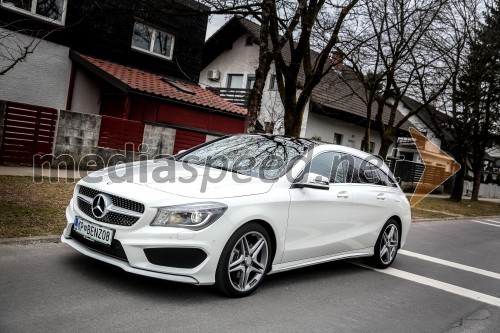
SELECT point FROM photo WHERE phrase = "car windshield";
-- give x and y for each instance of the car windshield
(265, 157)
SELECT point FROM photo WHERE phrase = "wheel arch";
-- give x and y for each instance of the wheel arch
(272, 234)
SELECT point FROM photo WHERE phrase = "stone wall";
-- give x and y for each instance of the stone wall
(77, 142)
(77, 136)
(158, 140)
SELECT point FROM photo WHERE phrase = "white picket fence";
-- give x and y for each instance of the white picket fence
(485, 190)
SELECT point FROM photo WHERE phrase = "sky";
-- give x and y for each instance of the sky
(214, 23)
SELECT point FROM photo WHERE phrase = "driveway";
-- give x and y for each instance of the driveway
(447, 279)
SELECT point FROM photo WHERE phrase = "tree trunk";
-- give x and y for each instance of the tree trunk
(387, 137)
(478, 176)
(366, 139)
(293, 123)
(458, 183)
(265, 59)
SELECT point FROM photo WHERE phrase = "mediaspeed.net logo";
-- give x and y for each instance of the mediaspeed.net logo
(439, 166)
(244, 168)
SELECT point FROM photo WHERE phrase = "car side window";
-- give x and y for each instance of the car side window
(329, 165)
(369, 172)
(322, 164)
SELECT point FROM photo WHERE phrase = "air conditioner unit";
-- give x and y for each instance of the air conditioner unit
(213, 75)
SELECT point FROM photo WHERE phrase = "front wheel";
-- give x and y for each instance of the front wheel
(244, 261)
(387, 245)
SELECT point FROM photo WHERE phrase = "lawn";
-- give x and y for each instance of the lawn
(430, 208)
(31, 209)
(38, 209)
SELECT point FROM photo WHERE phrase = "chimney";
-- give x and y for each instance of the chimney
(337, 60)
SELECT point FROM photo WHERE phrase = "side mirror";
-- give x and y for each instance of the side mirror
(313, 180)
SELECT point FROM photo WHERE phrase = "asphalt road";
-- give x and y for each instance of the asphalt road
(50, 287)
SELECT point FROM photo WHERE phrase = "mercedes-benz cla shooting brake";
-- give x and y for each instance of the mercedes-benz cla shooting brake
(233, 210)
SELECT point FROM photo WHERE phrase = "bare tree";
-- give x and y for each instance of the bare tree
(289, 39)
(392, 49)
(301, 59)
(479, 92)
(449, 120)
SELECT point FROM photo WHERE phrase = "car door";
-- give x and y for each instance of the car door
(372, 198)
(318, 219)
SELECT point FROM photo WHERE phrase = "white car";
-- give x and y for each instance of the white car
(233, 210)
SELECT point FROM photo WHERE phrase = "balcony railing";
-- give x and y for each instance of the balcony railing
(406, 143)
(236, 96)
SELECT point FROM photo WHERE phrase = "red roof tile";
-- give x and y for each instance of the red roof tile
(153, 84)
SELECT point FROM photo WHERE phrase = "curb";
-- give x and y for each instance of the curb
(30, 240)
(454, 218)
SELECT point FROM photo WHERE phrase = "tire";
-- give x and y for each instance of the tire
(387, 245)
(244, 262)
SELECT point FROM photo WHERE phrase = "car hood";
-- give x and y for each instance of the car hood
(183, 179)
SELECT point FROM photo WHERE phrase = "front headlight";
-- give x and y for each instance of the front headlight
(194, 216)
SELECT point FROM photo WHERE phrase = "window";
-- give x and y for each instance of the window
(372, 146)
(408, 156)
(250, 81)
(235, 81)
(50, 10)
(152, 41)
(273, 82)
(249, 41)
(337, 138)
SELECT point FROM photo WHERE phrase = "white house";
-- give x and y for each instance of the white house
(334, 114)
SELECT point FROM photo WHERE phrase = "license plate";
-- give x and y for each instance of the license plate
(93, 232)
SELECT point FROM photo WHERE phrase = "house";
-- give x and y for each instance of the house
(334, 114)
(426, 121)
(423, 123)
(104, 69)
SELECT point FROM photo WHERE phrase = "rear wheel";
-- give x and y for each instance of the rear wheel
(244, 261)
(387, 245)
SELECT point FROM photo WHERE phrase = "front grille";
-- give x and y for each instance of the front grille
(115, 250)
(175, 257)
(111, 217)
(117, 201)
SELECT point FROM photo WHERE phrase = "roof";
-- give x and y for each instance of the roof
(130, 79)
(431, 117)
(338, 91)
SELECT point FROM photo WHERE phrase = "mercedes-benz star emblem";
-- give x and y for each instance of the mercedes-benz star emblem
(100, 205)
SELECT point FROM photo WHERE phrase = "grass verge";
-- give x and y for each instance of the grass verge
(430, 208)
(31, 208)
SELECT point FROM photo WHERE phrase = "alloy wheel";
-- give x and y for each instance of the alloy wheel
(389, 244)
(248, 261)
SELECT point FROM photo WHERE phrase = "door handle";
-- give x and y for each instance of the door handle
(381, 196)
(343, 194)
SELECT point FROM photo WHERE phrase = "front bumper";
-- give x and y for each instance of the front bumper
(134, 240)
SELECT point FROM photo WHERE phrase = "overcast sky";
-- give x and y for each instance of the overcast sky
(214, 23)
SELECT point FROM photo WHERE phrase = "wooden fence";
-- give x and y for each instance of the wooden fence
(28, 131)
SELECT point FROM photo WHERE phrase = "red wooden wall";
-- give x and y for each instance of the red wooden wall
(152, 111)
(117, 133)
